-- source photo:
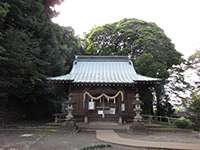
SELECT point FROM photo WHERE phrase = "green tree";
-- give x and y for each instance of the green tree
(31, 49)
(144, 41)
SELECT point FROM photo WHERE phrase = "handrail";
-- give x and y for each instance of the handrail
(151, 118)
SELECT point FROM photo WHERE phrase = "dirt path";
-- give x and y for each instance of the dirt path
(113, 137)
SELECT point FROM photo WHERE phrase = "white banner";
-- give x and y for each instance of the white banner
(91, 106)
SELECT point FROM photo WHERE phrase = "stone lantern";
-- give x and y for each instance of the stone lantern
(137, 109)
(69, 118)
(69, 109)
(138, 123)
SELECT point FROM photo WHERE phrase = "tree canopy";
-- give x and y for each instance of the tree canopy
(31, 49)
(182, 81)
(152, 51)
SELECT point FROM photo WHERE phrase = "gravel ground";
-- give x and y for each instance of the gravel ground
(66, 140)
(56, 140)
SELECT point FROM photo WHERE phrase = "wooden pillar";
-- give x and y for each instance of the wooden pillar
(85, 119)
(85, 107)
(120, 120)
(69, 88)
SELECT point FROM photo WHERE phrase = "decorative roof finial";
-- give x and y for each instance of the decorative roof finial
(129, 56)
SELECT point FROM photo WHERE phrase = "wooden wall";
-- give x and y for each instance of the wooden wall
(78, 91)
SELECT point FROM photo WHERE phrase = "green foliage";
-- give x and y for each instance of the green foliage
(4, 9)
(146, 93)
(195, 108)
(195, 105)
(31, 49)
(153, 69)
(97, 146)
(183, 123)
(166, 108)
(144, 41)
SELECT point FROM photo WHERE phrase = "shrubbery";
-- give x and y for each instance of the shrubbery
(183, 123)
(195, 109)
(97, 146)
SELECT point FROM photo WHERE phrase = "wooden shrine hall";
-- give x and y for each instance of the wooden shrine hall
(103, 87)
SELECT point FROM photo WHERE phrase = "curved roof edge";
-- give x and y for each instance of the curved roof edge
(103, 69)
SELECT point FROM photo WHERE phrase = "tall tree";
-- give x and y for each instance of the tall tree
(31, 49)
(146, 42)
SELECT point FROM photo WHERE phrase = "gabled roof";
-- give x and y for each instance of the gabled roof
(103, 69)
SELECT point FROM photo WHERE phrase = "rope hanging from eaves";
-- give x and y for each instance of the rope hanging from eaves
(104, 95)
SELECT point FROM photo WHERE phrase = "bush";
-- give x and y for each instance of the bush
(183, 123)
(97, 146)
(195, 109)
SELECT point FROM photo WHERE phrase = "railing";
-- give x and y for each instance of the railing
(61, 117)
(159, 119)
(149, 119)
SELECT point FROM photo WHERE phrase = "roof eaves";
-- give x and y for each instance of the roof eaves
(66, 77)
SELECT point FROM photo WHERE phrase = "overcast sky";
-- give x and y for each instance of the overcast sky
(180, 19)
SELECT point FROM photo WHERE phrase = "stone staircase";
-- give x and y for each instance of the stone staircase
(101, 125)
(105, 125)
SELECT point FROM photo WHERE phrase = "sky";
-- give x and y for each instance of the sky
(180, 19)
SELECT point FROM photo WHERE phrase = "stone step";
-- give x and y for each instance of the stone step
(153, 126)
(100, 125)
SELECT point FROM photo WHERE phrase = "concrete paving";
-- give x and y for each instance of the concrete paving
(113, 137)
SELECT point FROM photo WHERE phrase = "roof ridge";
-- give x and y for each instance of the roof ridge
(98, 56)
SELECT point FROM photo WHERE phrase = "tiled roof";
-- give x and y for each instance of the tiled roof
(103, 69)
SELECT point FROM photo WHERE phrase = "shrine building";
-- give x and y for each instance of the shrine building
(103, 87)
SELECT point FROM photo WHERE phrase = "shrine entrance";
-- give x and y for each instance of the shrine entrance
(104, 106)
